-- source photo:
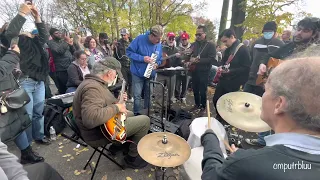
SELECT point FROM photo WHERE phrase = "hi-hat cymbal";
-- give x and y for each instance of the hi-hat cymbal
(174, 153)
(242, 110)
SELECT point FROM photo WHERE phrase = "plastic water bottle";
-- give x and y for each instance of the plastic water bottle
(53, 135)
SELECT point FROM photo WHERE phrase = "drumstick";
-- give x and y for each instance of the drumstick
(219, 137)
(208, 112)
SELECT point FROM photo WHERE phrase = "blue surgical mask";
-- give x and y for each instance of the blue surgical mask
(268, 35)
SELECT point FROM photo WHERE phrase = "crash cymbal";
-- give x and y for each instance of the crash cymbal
(164, 149)
(242, 110)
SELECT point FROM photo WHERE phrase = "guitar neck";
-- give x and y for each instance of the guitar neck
(123, 88)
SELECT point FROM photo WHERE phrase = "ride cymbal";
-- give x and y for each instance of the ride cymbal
(153, 149)
(242, 110)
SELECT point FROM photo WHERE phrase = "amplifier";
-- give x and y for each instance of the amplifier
(156, 125)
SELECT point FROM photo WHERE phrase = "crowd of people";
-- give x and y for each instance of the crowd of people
(88, 65)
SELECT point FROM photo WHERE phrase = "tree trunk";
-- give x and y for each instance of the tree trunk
(115, 18)
(238, 17)
(130, 4)
(224, 17)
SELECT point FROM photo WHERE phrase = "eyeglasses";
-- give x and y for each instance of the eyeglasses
(171, 39)
(199, 34)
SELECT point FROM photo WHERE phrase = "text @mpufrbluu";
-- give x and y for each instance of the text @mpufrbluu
(291, 166)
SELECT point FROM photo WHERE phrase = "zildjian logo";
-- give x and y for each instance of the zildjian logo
(165, 154)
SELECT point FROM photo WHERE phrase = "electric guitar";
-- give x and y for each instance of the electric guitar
(114, 129)
(272, 63)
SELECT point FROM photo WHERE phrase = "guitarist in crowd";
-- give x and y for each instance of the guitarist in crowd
(260, 48)
(235, 67)
(183, 77)
(169, 50)
(94, 105)
(202, 58)
(307, 33)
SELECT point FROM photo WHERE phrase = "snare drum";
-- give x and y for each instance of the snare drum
(198, 126)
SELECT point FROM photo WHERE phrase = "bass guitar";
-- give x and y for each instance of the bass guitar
(272, 63)
(114, 129)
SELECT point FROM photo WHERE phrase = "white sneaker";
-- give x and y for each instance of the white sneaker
(184, 100)
(173, 100)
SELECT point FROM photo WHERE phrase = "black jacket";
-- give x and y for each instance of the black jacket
(13, 122)
(120, 53)
(62, 54)
(239, 67)
(283, 52)
(207, 52)
(255, 164)
(75, 76)
(258, 54)
(34, 60)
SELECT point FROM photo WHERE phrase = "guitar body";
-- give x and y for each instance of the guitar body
(272, 63)
(114, 131)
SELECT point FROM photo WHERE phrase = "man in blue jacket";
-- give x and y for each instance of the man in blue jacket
(139, 52)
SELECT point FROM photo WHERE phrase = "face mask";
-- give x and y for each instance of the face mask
(268, 35)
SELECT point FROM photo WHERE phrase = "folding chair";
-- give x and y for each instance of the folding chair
(72, 124)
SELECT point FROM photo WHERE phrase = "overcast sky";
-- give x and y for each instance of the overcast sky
(213, 11)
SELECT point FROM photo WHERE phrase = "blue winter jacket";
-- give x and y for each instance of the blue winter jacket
(140, 47)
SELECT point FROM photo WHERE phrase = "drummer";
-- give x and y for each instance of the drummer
(290, 106)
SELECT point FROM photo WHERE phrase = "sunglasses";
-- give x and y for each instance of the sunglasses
(199, 34)
(171, 39)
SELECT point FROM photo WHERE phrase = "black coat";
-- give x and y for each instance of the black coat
(34, 60)
(13, 122)
(239, 67)
(207, 52)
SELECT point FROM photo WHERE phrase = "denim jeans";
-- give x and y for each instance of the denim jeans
(71, 89)
(36, 92)
(212, 73)
(140, 84)
(22, 141)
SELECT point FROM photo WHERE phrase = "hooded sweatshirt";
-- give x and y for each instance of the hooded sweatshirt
(140, 47)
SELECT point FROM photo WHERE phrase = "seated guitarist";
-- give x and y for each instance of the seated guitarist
(307, 33)
(94, 105)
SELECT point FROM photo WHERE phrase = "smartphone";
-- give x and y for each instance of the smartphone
(29, 2)
(14, 41)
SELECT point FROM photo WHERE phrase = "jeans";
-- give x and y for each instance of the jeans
(181, 86)
(261, 137)
(71, 89)
(22, 141)
(165, 79)
(257, 90)
(212, 74)
(140, 84)
(36, 92)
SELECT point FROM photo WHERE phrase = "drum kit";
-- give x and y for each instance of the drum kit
(165, 150)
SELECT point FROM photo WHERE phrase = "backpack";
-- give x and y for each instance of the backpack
(53, 116)
(183, 119)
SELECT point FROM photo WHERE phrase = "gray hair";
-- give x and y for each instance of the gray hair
(298, 81)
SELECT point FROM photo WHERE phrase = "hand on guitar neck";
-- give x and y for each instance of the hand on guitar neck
(262, 69)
